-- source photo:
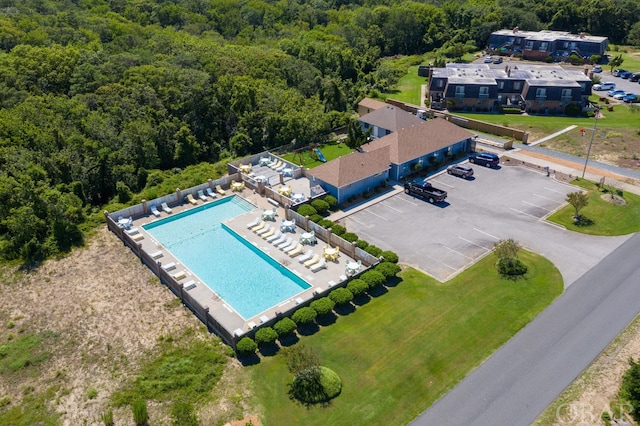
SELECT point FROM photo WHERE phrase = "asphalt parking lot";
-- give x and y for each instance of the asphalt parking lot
(508, 202)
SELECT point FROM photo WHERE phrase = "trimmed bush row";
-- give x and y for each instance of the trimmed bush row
(323, 306)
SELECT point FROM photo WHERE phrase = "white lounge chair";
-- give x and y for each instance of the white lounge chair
(285, 243)
(308, 255)
(169, 266)
(166, 208)
(315, 259)
(191, 200)
(155, 211)
(189, 285)
(137, 237)
(202, 196)
(211, 194)
(132, 231)
(156, 255)
(274, 237)
(253, 223)
(318, 266)
(280, 240)
(290, 246)
(263, 230)
(179, 275)
(259, 226)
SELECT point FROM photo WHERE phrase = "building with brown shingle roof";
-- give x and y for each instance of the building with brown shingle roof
(387, 120)
(368, 105)
(352, 174)
(424, 143)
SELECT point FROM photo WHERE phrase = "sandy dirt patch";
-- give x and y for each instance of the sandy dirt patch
(106, 312)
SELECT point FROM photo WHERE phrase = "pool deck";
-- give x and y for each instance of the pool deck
(320, 281)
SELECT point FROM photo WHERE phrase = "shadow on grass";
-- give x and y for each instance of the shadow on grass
(308, 329)
(361, 299)
(269, 350)
(393, 282)
(289, 340)
(247, 360)
(378, 291)
(582, 221)
(345, 309)
(325, 320)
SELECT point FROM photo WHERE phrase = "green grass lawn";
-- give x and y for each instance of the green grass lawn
(608, 218)
(401, 351)
(330, 151)
(408, 88)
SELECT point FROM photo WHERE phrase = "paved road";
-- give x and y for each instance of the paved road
(526, 375)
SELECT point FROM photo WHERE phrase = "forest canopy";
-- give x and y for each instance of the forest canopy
(97, 94)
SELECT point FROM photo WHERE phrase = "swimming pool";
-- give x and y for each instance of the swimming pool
(248, 280)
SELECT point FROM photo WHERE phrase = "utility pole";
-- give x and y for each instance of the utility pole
(593, 133)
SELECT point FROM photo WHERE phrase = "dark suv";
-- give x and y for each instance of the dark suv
(484, 159)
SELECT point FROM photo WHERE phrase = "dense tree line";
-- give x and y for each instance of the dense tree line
(96, 93)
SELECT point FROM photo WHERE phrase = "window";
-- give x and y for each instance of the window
(543, 46)
(484, 92)
(541, 94)
(566, 95)
(501, 85)
(459, 91)
(516, 85)
(528, 45)
(439, 83)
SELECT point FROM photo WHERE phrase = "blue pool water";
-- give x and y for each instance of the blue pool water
(248, 280)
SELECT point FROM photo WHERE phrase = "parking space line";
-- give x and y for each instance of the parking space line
(546, 198)
(457, 252)
(375, 214)
(471, 242)
(553, 190)
(520, 211)
(360, 222)
(442, 263)
(442, 183)
(384, 203)
(486, 233)
(536, 206)
(407, 201)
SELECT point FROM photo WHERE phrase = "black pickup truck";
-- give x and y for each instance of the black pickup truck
(422, 188)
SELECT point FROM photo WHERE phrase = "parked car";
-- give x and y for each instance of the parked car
(497, 60)
(423, 188)
(488, 59)
(484, 159)
(634, 77)
(625, 75)
(597, 69)
(631, 98)
(615, 92)
(459, 170)
(607, 85)
(620, 96)
(616, 73)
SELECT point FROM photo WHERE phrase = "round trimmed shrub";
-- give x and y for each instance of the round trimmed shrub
(307, 210)
(373, 250)
(340, 296)
(325, 223)
(357, 286)
(389, 256)
(320, 205)
(362, 244)
(323, 306)
(284, 327)
(304, 316)
(350, 236)
(321, 386)
(388, 269)
(511, 267)
(315, 218)
(331, 200)
(373, 278)
(338, 229)
(246, 346)
(266, 336)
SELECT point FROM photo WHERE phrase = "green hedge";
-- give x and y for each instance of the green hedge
(357, 286)
(331, 200)
(373, 278)
(246, 346)
(323, 306)
(307, 210)
(362, 244)
(340, 296)
(321, 206)
(338, 229)
(315, 218)
(266, 336)
(304, 316)
(389, 256)
(373, 250)
(284, 327)
(350, 236)
(388, 269)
